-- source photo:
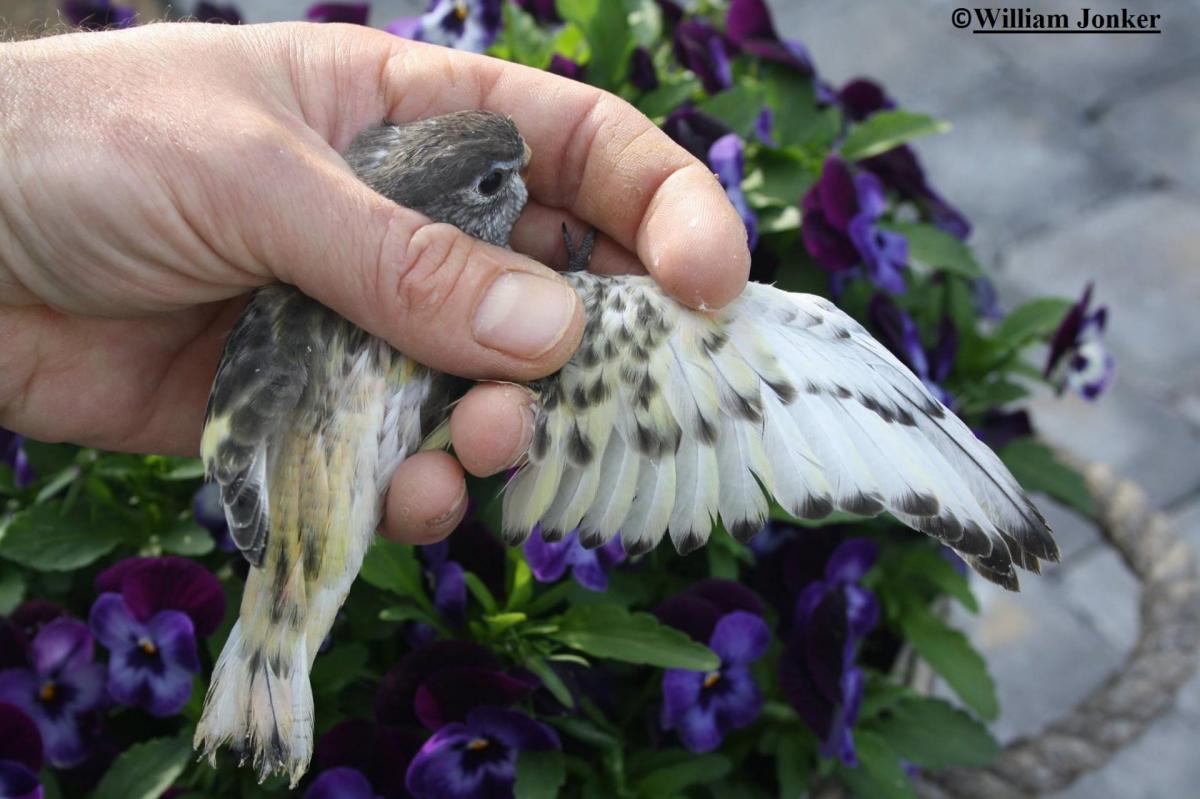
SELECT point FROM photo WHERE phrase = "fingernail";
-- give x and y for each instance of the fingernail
(526, 435)
(456, 511)
(524, 315)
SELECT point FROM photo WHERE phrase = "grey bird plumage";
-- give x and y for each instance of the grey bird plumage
(664, 421)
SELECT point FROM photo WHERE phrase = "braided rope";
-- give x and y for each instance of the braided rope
(1120, 709)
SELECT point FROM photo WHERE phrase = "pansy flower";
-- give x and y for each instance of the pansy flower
(20, 754)
(58, 688)
(95, 15)
(363, 754)
(12, 453)
(641, 70)
(726, 157)
(447, 581)
(544, 11)
(463, 24)
(1078, 359)
(341, 783)
(898, 332)
(226, 13)
(818, 671)
(694, 130)
(899, 167)
(549, 560)
(477, 756)
(706, 52)
(209, 513)
(840, 226)
(561, 65)
(350, 13)
(748, 24)
(998, 427)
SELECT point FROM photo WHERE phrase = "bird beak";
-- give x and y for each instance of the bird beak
(525, 158)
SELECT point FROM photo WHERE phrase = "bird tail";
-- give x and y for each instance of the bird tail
(260, 703)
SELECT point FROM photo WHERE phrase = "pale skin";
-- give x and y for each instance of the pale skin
(152, 177)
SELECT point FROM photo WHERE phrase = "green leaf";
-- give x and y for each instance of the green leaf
(12, 589)
(645, 22)
(605, 25)
(481, 593)
(799, 120)
(934, 734)
(671, 92)
(527, 42)
(49, 458)
(540, 775)
(175, 468)
(694, 770)
(1030, 322)
(927, 565)
(585, 731)
(393, 567)
(145, 770)
(738, 107)
(403, 613)
(521, 590)
(937, 249)
(499, 622)
(793, 764)
(951, 655)
(608, 631)
(188, 538)
(884, 130)
(878, 774)
(1037, 469)
(56, 484)
(340, 666)
(781, 179)
(550, 679)
(44, 538)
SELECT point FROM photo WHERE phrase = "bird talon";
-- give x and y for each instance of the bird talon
(578, 259)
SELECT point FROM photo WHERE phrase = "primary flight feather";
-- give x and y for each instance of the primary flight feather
(665, 420)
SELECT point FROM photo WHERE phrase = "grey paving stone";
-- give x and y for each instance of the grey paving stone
(1076, 535)
(1158, 131)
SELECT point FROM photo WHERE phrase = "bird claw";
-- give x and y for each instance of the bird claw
(577, 259)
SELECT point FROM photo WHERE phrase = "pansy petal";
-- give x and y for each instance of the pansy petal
(20, 741)
(175, 636)
(694, 130)
(548, 559)
(698, 730)
(681, 691)
(156, 685)
(405, 27)
(862, 97)
(437, 770)
(641, 70)
(61, 645)
(17, 781)
(450, 591)
(170, 583)
(86, 685)
(829, 247)
(217, 12)
(112, 623)
(352, 13)
(693, 615)
(398, 688)
(588, 572)
(62, 739)
(340, 783)
(450, 694)
(512, 728)
(740, 638)
(741, 700)
(836, 192)
(851, 560)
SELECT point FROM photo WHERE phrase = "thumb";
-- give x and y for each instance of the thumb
(449, 301)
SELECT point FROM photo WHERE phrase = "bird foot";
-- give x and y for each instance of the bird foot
(577, 259)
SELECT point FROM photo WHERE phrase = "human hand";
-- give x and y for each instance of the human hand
(153, 176)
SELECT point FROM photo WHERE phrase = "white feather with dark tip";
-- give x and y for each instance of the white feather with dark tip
(667, 419)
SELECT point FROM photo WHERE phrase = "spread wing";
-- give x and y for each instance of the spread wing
(667, 419)
(263, 373)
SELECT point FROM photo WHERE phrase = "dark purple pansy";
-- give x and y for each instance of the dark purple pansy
(351, 13)
(694, 130)
(218, 12)
(698, 608)
(447, 581)
(544, 11)
(95, 15)
(18, 782)
(726, 158)
(209, 513)
(899, 167)
(561, 65)
(1078, 359)
(706, 52)
(478, 756)
(703, 707)
(151, 663)
(441, 682)
(999, 428)
(12, 452)
(380, 752)
(463, 24)
(898, 332)
(818, 672)
(549, 560)
(340, 783)
(764, 127)
(641, 70)
(151, 585)
(748, 23)
(20, 749)
(840, 226)
(61, 685)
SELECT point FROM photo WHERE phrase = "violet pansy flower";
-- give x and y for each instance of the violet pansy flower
(462, 24)
(350, 13)
(477, 756)
(549, 560)
(95, 15)
(12, 453)
(20, 754)
(60, 685)
(1078, 359)
(726, 158)
(340, 783)
(218, 12)
(899, 333)
(706, 52)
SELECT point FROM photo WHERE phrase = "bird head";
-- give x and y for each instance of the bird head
(462, 168)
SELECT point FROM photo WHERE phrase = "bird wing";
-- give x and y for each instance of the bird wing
(263, 373)
(667, 419)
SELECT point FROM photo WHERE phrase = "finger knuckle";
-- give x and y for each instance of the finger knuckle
(425, 276)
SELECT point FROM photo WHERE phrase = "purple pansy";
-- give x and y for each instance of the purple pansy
(544, 11)
(764, 127)
(94, 15)
(12, 453)
(463, 24)
(748, 23)
(840, 226)
(1078, 359)
(641, 70)
(817, 671)
(20, 754)
(561, 65)
(726, 158)
(694, 130)
(549, 560)
(379, 752)
(898, 332)
(218, 12)
(706, 52)
(209, 513)
(899, 167)
(151, 663)
(703, 707)
(698, 608)
(340, 783)
(150, 585)
(998, 428)
(351, 13)
(61, 684)
(477, 756)
(447, 579)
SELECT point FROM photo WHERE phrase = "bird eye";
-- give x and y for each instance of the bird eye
(491, 182)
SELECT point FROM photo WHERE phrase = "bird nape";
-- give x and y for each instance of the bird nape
(664, 421)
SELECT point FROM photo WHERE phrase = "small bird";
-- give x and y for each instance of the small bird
(664, 421)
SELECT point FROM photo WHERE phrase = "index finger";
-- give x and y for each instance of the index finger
(594, 154)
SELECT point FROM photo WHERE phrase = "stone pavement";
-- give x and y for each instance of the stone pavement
(1077, 158)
